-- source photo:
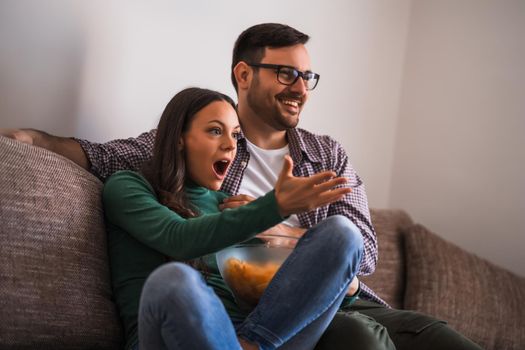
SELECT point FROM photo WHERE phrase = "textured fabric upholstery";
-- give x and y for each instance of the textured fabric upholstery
(54, 278)
(388, 280)
(477, 298)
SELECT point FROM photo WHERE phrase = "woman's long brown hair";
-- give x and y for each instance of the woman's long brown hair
(166, 171)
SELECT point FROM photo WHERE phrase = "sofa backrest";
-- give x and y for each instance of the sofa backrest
(54, 280)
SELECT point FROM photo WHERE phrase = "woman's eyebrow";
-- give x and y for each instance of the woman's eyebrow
(238, 126)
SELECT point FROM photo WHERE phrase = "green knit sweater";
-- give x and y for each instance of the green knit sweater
(144, 234)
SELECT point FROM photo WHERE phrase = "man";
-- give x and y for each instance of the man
(272, 76)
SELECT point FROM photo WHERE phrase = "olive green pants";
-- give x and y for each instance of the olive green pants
(369, 326)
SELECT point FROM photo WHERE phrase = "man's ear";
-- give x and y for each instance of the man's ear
(243, 75)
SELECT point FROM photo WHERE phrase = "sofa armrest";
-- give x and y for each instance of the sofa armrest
(55, 289)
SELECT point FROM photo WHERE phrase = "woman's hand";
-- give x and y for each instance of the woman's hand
(299, 194)
(353, 287)
(283, 230)
(235, 201)
(279, 229)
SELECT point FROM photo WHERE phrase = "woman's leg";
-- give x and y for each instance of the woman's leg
(179, 311)
(306, 292)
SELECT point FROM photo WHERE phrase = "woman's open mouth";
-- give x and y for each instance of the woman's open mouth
(220, 167)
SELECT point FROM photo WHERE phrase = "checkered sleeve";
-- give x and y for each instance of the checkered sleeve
(355, 206)
(123, 154)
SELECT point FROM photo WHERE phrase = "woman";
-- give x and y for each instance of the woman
(170, 212)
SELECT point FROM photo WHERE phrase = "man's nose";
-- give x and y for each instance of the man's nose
(299, 86)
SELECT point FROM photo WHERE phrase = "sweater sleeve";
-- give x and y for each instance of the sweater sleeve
(131, 205)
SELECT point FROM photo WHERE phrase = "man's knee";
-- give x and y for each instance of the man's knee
(356, 331)
(436, 335)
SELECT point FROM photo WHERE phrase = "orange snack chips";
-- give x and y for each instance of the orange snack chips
(248, 280)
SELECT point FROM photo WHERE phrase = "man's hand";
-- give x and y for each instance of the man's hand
(353, 287)
(22, 135)
(64, 146)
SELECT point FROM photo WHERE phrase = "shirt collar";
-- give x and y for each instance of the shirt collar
(297, 147)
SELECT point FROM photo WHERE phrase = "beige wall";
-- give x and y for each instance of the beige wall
(460, 150)
(424, 95)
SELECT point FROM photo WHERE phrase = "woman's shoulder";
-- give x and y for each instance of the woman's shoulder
(125, 176)
(125, 181)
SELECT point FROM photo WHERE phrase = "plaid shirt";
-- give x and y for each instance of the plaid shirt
(310, 153)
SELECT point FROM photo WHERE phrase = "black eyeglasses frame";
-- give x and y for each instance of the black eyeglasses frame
(278, 67)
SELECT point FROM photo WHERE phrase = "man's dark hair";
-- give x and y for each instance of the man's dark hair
(250, 45)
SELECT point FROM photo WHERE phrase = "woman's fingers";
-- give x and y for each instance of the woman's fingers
(321, 177)
(287, 169)
(327, 185)
(239, 197)
(327, 201)
(235, 201)
(231, 205)
(328, 197)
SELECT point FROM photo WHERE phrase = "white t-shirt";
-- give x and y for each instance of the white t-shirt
(262, 172)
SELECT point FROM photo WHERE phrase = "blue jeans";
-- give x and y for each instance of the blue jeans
(179, 311)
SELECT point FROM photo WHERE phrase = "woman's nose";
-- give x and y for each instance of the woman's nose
(229, 143)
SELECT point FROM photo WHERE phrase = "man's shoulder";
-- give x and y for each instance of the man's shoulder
(316, 144)
(310, 137)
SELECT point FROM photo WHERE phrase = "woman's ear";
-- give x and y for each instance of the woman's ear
(243, 75)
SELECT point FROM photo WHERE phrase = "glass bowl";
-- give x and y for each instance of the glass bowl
(248, 267)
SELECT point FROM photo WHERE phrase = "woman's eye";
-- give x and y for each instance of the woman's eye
(236, 135)
(215, 131)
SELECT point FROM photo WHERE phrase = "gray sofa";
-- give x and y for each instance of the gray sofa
(54, 279)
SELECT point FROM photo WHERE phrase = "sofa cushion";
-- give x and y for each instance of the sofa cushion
(388, 280)
(480, 300)
(55, 285)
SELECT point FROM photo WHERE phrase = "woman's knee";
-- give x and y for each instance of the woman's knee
(171, 281)
(344, 234)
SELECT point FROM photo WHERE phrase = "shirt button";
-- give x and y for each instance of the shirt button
(243, 164)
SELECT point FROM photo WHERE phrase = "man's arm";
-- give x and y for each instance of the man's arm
(101, 159)
(355, 206)
(64, 146)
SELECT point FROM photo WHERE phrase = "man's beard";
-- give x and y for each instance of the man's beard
(272, 115)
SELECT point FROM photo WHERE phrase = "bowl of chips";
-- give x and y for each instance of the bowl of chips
(248, 267)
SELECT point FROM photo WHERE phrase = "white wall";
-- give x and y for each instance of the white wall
(106, 69)
(460, 155)
(403, 85)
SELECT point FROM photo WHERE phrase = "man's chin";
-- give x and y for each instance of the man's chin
(289, 122)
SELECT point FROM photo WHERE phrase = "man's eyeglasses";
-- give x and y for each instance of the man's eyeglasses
(287, 75)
